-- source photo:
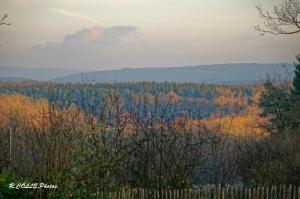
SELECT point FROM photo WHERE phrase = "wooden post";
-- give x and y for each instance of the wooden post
(223, 193)
(213, 192)
(254, 193)
(10, 147)
(284, 193)
(241, 193)
(294, 192)
(172, 194)
(290, 192)
(250, 194)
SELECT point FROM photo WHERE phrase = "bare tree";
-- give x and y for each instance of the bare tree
(282, 20)
(3, 20)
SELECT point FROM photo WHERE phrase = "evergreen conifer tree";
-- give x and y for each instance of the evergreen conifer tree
(296, 81)
(296, 93)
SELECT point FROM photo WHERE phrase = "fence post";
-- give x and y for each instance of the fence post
(129, 193)
(226, 192)
(205, 194)
(10, 148)
(112, 195)
(290, 191)
(213, 192)
(187, 193)
(284, 192)
(240, 190)
(294, 192)
(223, 193)
(173, 194)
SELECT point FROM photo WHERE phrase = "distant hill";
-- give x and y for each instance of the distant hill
(219, 74)
(15, 79)
(37, 74)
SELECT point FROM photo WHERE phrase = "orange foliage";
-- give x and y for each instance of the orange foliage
(246, 122)
(227, 97)
(37, 113)
(171, 97)
(30, 112)
(144, 96)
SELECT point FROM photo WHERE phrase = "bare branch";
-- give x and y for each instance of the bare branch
(284, 19)
(3, 20)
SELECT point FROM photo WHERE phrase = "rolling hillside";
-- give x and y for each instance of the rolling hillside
(218, 73)
(222, 73)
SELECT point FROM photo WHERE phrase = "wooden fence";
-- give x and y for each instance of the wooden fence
(274, 192)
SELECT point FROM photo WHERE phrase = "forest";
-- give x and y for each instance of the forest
(89, 138)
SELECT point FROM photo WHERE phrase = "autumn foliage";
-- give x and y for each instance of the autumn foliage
(94, 137)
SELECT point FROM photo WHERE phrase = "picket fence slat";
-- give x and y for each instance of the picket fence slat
(218, 192)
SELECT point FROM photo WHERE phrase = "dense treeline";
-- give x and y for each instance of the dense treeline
(204, 96)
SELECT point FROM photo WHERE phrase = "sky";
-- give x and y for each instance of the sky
(109, 34)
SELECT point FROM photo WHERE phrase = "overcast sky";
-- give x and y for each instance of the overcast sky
(104, 34)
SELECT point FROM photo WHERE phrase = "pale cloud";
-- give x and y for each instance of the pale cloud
(93, 37)
(96, 46)
(75, 15)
